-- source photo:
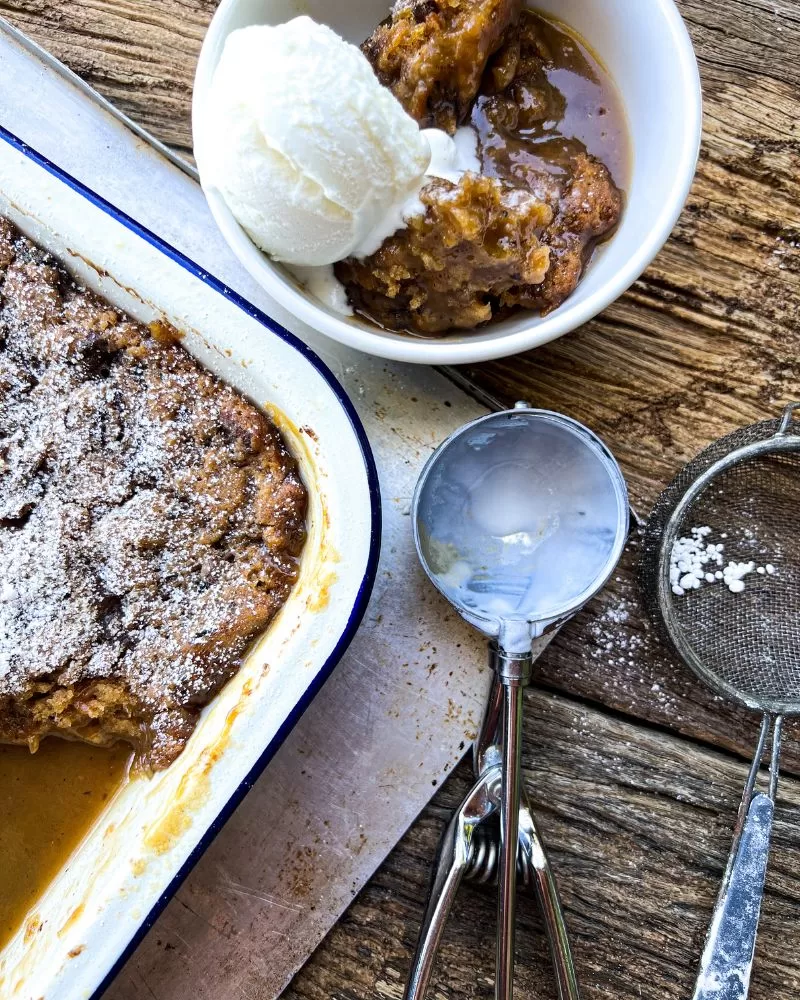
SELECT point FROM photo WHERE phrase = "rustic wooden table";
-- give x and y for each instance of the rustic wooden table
(635, 770)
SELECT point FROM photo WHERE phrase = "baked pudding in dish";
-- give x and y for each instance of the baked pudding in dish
(151, 520)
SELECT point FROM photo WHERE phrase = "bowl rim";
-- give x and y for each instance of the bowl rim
(477, 347)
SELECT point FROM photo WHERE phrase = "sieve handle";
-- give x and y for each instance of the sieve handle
(787, 417)
(728, 955)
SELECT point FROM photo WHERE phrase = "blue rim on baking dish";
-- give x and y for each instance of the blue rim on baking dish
(361, 598)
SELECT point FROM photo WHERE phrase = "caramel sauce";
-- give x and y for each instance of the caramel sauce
(49, 801)
(575, 108)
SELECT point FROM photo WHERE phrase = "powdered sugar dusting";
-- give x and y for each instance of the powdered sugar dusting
(696, 561)
(150, 518)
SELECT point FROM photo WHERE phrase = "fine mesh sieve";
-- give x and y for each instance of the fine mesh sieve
(743, 640)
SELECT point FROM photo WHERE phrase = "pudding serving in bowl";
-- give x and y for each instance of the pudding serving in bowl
(541, 147)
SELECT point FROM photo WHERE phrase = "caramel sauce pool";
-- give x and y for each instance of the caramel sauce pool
(49, 801)
(575, 108)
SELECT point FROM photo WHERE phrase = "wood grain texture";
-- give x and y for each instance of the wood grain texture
(635, 768)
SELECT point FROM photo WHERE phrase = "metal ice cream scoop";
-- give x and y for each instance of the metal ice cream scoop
(519, 518)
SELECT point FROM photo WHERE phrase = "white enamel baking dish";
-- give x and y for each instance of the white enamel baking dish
(646, 48)
(149, 836)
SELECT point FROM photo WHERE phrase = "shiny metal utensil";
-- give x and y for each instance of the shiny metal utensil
(743, 641)
(519, 518)
(469, 849)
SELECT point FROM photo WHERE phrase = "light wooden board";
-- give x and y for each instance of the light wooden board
(636, 770)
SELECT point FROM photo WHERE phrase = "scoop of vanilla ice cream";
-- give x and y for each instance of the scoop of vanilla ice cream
(314, 157)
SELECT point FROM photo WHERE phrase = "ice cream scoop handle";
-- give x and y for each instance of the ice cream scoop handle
(451, 863)
(533, 851)
(509, 840)
(514, 673)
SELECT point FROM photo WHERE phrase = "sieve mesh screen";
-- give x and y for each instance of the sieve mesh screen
(750, 640)
(746, 644)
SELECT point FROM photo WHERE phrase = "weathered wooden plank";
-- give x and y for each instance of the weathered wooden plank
(639, 825)
(140, 54)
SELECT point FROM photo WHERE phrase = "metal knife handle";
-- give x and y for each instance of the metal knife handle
(728, 955)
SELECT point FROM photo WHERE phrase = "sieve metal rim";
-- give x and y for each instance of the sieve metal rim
(786, 438)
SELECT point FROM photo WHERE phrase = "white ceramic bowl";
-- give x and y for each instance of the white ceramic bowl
(646, 48)
(116, 882)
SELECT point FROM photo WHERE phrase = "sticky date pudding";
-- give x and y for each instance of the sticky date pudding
(151, 520)
(552, 150)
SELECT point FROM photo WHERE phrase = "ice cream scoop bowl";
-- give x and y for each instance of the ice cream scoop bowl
(519, 519)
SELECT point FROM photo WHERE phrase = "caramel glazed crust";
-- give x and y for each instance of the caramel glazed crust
(487, 244)
(151, 520)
